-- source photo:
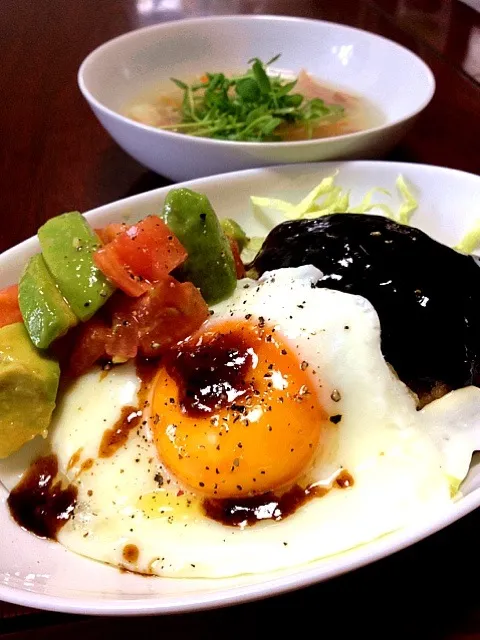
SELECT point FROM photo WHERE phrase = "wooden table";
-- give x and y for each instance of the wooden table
(55, 157)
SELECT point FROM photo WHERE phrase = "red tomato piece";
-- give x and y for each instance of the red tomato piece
(9, 309)
(150, 249)
(109, 263)
(173, 312)
(89, 346)
(169, 312)
(146, 251)
(111, 231)
(123, 339)
(239, 266)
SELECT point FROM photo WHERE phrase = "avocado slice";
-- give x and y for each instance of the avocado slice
(45, 312)
(232, 229)
(28, 388)
(68, 244)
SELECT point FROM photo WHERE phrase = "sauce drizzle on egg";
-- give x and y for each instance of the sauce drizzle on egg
(39, 503)
(238, 512)
(117, 436)
(211, 374)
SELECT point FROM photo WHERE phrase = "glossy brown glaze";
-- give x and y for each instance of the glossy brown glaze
(39, 503)
(210, 375)
(54, 157)
(268, 506)
(130, 553)
(116, 436)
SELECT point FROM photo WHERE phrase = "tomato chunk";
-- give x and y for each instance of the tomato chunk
(169, 312)
(9, 309)
(108, 261)
(239, 266)
(111, 231)
(144, 252)
(89, 345)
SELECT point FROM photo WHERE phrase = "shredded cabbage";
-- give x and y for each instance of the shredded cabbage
(409, 202)
(470, 240)
(328, 198)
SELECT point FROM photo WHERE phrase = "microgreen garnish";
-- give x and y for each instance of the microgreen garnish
(248, 108)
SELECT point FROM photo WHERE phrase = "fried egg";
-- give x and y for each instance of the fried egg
(281, 406)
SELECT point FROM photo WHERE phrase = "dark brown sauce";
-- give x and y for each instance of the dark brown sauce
(87, 464)
(344, 480)
(117, 436)
(146, 370)
(212, 374)
(38, 503)
(130, 553)
(268, 506)
(74, 459)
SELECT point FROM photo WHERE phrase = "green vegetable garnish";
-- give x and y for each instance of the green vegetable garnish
(248, 108)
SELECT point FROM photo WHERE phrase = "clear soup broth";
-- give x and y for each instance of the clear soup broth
(161, 107)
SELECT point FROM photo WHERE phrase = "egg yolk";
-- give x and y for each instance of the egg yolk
(234, 411)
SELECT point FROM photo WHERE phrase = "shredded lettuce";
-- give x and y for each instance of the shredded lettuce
(470, 240)
(327, 197)
(409, 203)
(253, 246)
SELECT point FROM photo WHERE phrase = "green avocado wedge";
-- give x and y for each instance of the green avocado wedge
(210, 264)
(28, 389)
(46, 314)
(68, 244)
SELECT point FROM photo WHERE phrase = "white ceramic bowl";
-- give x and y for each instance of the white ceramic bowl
(43, 574)
(392, 78)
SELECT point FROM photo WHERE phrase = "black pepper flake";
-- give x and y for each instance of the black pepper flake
(239, 487)
(261, 322)
(203, 216)
(248, 316)
(346, 327)
(238, 407)
(335, 419)
(201, 484)
(283, 352)
(304, 365)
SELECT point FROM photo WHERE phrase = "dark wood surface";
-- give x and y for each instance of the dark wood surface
(55, 157)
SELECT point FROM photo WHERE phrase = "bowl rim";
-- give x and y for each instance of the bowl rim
(96, 104)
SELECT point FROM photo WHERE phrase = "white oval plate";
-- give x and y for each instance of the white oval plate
(42, 574)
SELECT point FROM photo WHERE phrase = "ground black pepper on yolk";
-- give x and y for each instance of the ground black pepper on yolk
(235, 413)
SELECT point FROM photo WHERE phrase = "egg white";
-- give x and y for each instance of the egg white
(404, 463)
